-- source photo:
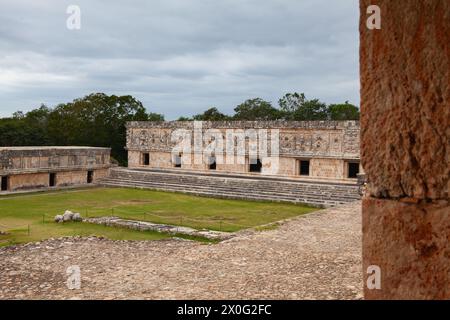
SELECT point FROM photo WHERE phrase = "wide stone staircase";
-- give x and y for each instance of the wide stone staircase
(323, 194)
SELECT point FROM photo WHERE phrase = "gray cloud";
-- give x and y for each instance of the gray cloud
(178, 56)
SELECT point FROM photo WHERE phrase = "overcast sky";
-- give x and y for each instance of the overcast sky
(178, 57)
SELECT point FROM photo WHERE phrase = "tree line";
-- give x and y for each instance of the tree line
(99, 120)
(95, 120)
(291, 107)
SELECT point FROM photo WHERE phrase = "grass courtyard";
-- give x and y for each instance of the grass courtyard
(29, 217)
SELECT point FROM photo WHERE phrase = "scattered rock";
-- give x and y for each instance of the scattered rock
(77, 217)
(149, 226)
(68, 216)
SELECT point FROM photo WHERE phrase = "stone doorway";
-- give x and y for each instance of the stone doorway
(353, 170)
(90, 176)
(177, 160)
(146, 159)
(255, 165)
(52, 179)
(4, 184)
(304, 167)
(212, 163)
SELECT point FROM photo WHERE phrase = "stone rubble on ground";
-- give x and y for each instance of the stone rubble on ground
(149, 226)
(68, 216)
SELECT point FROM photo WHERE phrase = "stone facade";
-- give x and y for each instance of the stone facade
(327, 148)
(29, 168)
(405, 138)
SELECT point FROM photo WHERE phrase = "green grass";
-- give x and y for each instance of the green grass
(39, 231)
(37, 211)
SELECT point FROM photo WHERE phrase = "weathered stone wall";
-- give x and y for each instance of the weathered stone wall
(327, 168)
(286, 166)
(29, 168)
(405, 132)
(134, 159)
(35, 159)
(100, 174)
(28, 181)
(68, 178)
(338, 139)
(333, 142)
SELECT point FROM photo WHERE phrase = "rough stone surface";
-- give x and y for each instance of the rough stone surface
(316, 256)
(411, 244)
(405, 132)
(28, 168)
(67, 216)
(149, 226)
(405, 99)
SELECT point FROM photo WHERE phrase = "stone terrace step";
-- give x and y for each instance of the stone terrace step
(232, 187)
(230, 195)
(221, 188)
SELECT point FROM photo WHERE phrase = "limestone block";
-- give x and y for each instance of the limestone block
(67, 216)
(405, 99)
(410, 242)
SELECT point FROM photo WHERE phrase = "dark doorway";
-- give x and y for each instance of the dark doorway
(177, 160)
(4, 184)
(212, 163)
(255, 166)
(304, 167)
(146, 159)
(52, 180)
(90, 176)
(353, 170)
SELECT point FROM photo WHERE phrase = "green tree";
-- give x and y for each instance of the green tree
(28, 129)
(344, 111)
(156, 117)
(212, 114)
(184, 119)
(311, 110)
(36, 122)
(13, 132)
(291, 102)
(97, 120)
(256, 109)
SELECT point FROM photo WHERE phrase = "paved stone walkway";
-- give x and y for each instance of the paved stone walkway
(316, 256)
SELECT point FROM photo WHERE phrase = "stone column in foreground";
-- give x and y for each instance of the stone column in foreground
(405, 142)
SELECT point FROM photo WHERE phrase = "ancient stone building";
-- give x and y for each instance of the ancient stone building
(307, 150)
(405, 139)
(28, 168)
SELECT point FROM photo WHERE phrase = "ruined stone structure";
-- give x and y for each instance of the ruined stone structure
(28, 168)
(309, 150)
(405, 131)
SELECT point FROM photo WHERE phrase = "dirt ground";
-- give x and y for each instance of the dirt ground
(315, 256)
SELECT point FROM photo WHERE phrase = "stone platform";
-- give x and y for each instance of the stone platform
(232, 186)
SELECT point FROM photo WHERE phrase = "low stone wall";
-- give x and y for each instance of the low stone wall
(29, 168)
(164, 228)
